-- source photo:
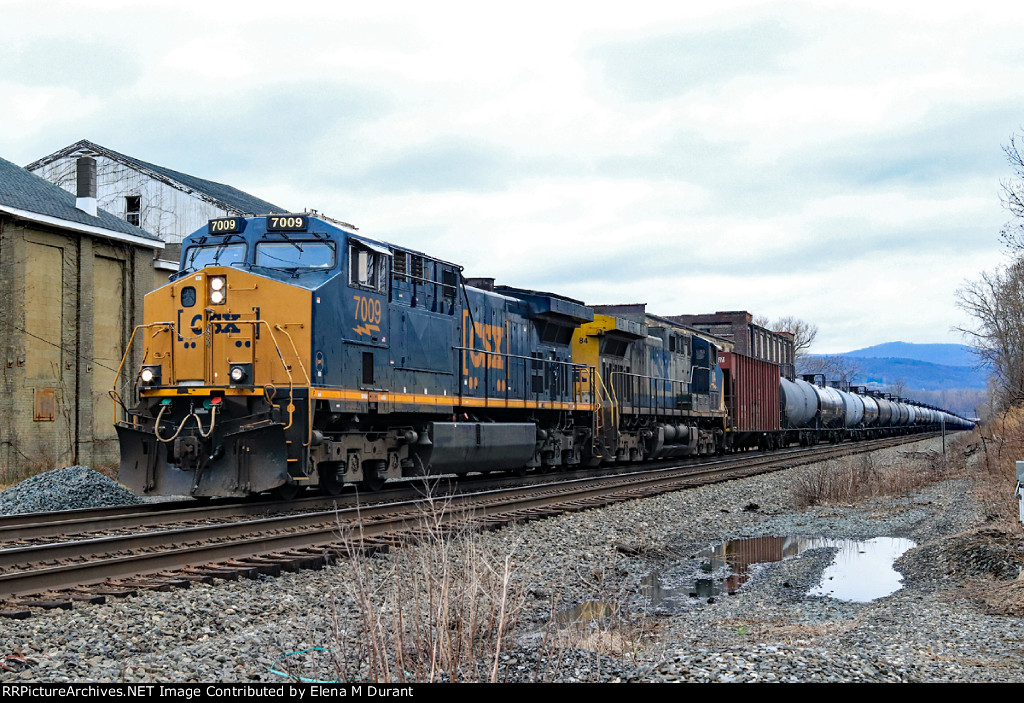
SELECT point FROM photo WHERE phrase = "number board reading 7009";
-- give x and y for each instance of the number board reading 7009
(286, 223)
(226, 225)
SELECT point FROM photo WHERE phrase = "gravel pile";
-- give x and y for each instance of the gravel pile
(70, 488)
(600, 562)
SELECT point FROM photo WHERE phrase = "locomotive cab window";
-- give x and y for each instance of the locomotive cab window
(367, 268)
(295, 254)
(196, 257)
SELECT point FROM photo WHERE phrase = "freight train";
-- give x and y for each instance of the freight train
(291, 351)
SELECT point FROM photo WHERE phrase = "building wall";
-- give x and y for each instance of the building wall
(70, 304)
(749, 339)
(165, 211)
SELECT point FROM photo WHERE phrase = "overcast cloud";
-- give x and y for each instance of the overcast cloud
(835, 161)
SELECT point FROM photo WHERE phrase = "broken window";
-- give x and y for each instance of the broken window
(133, 209)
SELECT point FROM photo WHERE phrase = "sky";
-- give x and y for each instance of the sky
(835, 161)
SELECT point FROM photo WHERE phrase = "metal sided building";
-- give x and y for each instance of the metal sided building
(167, 203)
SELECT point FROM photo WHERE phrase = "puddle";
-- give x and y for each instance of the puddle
(860, 571)
(589, 611)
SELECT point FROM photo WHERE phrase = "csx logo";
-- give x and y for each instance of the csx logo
(219, 322)
(227, 325)
(491, 338)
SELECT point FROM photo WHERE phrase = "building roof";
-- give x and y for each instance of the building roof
(223, 195)
(27, 196)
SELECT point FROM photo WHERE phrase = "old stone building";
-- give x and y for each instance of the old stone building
(73, 278)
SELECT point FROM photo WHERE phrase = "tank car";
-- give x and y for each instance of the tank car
(811, 413)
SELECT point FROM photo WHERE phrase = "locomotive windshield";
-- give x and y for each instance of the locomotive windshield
(295, 255)
(196, 257)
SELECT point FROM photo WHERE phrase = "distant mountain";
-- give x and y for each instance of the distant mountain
(957, 385)
(944, 354)
(917, 374)
(936, 367)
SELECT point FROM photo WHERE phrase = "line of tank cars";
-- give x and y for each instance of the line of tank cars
(292, 351)
(836, 414)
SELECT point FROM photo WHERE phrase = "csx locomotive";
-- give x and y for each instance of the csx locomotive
(292, 351)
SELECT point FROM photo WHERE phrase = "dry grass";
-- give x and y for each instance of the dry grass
(985, 557)
(1001, 441)
(450, 606)
(786, 632)
(605, 625)
(1001, 444)
(1006, 598)
(441, 610)
(856, 478)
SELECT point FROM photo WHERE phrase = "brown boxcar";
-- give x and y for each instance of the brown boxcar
(751, 398)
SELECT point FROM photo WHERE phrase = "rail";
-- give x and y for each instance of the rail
(65, 563)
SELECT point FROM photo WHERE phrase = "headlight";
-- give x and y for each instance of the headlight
(240, 373)
(218, 289)
(150, 375)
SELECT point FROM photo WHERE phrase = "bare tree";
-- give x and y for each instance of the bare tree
(897, 387)
(996, 299)
(803, 333)
(1012, 196)
(996, 302)
(833, 368)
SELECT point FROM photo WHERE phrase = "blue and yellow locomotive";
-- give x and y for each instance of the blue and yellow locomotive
(292, 351)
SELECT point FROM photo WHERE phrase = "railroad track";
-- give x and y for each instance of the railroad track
(244, 540)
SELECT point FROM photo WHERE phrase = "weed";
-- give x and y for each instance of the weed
(855, 478)
(443, 609)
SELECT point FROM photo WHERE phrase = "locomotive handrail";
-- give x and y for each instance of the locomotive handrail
(309, 383)
(612, 402)
(655, 394)
(569, 365)
(291, 382)
(127, 350)
(168, 326)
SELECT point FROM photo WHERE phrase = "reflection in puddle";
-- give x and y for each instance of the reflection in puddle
(860, 571)
(585, 612)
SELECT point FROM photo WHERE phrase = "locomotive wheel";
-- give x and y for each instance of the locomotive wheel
(287, 491)
(330, 480)
(373, 476)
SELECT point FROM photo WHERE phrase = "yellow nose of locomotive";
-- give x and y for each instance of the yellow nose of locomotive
(226, 327)
(224, 371)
